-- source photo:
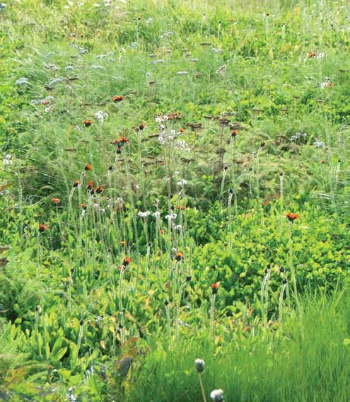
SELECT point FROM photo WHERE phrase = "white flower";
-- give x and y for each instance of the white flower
(165, 118)
(158, 120)
(156, 214)
(97, 67)
(324, 85)
(22, 81)
(178, 227)
(320, 55)
(199, 365)
(143, 214)
(55, 81)
(217, 395)
(182, 72)
(319, 144)
(100, 116)
(171, 216)
(182, 182)
(149, 20)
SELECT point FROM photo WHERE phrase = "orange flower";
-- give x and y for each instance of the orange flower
(291, 217)
(120, 141)
(179, 256)
(123, 242)
(90, 185)
(142, 126)
(99, 189)
(45, 102)
(162, 231)
(215, 287)
(312, 54)
(181, 207)
(173, 116)
(42, 228)
(118, 98)
(88, 166)
(84, 206)
(56, 201)
(182, 130)
(76, 183)
(234, 133)
(127, 261)
(87, 123)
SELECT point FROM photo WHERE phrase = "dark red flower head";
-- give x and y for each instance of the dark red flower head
(127, 261)
(118, 98)
(87, 123)
(76, 183)
(215, 287)
(234, 133)
(42, 228)
(99, 189)
(90, 185)
(292, 217)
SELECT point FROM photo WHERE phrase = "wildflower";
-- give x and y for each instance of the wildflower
(42, 228)
(88, 166)
(234, 133)
(22, 81)
(87, 123)
(90, 185)
(199, 363)
(143, 214)
(120, 141)
(100, 116)
(181, 207)
(123, 243)
(76, 183)
(142, 126)
(55, 201)
(156, 214)
(217, 395)
(127, 261)
(179, 256)
(118, 98)
(182, 130)
(171, 216)
(312, 54)
(215, 287)
(291, 216)
(99, 189)
(83, 206)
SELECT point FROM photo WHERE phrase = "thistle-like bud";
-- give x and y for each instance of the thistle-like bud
(199, 363)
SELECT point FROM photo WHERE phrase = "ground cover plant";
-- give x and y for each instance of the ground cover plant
(174, 200)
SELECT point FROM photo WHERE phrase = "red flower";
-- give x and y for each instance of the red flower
(42, 228)
(118, 98)
(292, 217)
(182, 130)
(56, 201)
(87, 123)
(90, 185)
(120, 141)
(99, 189)
(312, 54)
(234, 133)
(88, 166)
(215, 287)
(127, 261)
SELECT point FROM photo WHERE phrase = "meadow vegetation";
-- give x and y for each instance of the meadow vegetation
(174, 186)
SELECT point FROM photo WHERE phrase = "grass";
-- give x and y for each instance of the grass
(120, 214)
